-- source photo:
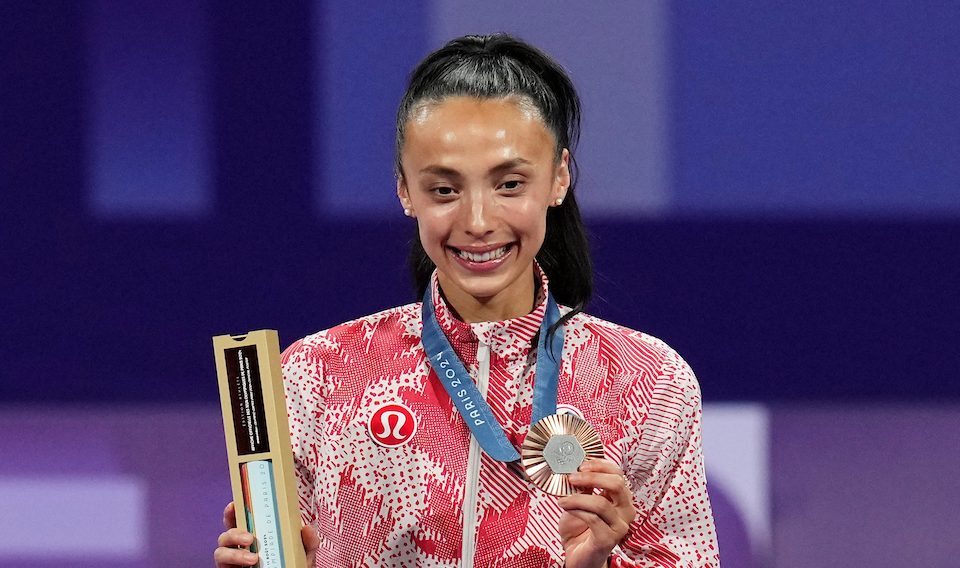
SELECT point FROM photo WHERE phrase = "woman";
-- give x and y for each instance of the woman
(392, 470)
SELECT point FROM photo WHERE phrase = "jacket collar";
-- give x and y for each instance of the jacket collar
(508, 339)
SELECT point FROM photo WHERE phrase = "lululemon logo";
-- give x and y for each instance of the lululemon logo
(392, 425)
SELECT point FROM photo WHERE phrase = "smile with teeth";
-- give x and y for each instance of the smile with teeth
(482, 257)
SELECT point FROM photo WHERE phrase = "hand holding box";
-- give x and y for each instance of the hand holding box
(258, 445)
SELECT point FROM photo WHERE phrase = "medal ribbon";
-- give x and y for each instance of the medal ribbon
(465, 394)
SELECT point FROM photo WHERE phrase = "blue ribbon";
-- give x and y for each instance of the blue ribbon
(465, 394)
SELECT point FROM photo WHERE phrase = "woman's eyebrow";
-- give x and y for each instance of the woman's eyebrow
(495, 170)
(509, 165)
(441, 171)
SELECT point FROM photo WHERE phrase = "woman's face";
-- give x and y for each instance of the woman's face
(479, 175)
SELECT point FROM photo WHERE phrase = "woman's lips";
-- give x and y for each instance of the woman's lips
(482, 260)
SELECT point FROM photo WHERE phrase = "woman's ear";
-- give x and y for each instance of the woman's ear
(403, 194)
(562, 181)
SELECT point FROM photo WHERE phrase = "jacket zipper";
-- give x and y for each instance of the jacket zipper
(471, 489)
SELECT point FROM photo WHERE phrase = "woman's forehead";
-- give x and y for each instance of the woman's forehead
(468, 125)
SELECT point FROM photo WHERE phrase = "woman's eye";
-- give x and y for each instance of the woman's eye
(443, 191)
(512, 184)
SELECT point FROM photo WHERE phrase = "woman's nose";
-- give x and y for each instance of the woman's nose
(479, 214)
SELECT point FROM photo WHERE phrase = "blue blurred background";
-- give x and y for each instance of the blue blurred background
(773, 189)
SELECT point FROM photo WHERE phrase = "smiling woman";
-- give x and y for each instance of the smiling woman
(408, 425)
(482, 175)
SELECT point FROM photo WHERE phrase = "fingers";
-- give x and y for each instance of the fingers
(310, 538)
(596, 469)
(603, 536)
(614, 486)
(608, 477)
(605, 467)
(610, 512)
(601, 510)
(235, 537)
(230, 516)
(228, 553)
(226, 557)
(601, 466)
(603, 517)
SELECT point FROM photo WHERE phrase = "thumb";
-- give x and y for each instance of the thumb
(311, 541)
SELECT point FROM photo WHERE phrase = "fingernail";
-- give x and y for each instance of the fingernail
(576, 476)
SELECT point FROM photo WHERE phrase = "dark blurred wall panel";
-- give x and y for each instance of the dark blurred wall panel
(363, 54)
(262, 91)
(148, 102)
(782, 310)
(817, 108)
(41, 189)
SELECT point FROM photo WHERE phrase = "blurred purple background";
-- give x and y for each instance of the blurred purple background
(774, 190)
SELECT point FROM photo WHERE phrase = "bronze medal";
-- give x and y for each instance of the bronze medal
(555, 447)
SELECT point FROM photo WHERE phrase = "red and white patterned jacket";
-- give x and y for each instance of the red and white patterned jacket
(434, 498)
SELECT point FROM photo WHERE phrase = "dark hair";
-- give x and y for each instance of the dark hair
(498, 66)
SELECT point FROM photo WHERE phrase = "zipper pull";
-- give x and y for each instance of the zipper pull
(483, 353)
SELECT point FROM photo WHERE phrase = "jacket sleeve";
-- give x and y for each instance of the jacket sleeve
(663, 462)
(303, 383)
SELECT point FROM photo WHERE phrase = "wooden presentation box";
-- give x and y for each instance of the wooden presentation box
(256, 428)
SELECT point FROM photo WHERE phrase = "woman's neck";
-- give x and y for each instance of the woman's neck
(517, 300)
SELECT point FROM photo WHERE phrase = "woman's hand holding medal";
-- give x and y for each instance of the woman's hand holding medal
(593, 524)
